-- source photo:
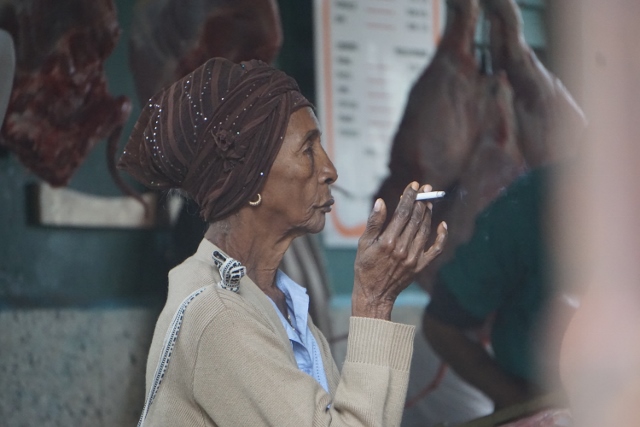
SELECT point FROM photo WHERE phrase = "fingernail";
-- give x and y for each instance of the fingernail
(444, 224)
(427, 188)
(430, 205)
(415, 186)
(377, 206)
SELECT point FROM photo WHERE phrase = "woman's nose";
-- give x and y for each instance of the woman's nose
(329, 175)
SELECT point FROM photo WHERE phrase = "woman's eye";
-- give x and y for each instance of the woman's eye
(308, 151)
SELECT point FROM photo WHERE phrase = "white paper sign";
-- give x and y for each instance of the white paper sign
(368, 55)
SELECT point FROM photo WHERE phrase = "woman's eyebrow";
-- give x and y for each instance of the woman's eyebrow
(312, 135)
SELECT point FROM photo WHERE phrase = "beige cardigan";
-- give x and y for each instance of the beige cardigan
(233, 364)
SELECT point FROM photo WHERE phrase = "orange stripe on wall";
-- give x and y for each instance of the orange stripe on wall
(436, 21)
(342, 229)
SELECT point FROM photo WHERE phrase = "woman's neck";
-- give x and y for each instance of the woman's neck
(259, 249)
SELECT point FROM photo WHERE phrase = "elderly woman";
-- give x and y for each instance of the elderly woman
(234, 344)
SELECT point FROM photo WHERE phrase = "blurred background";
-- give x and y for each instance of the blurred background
(465, 95)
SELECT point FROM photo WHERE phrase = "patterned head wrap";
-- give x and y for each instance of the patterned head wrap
(214, 133)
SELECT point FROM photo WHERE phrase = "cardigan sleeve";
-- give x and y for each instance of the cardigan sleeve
(243, 376)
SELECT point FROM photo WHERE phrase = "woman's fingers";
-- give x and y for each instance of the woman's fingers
(400, 217)
(398, 249)
(435, 249)
(374, 224)
(421, 236)
(405, 249)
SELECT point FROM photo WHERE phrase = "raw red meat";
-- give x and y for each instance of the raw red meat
(457, 133)
(440, 122)
(494, 163)
(170, 38)
(59, 107)
(541, 101)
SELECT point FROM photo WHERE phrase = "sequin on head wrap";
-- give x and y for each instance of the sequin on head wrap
(214, 133)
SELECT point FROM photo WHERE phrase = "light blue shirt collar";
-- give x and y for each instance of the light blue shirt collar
(304, 345)
(297, 304)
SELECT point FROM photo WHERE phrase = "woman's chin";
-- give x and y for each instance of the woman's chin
(317, 225)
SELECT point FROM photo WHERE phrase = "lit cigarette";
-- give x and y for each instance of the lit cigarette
(430, 195)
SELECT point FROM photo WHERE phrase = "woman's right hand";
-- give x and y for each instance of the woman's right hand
(387, 260)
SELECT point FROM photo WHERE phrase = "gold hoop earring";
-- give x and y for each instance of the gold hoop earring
(256, 202)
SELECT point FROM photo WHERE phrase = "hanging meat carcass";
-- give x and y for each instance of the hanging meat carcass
(457, 133)
(170, 38)
(549, 120)
(59, 107)
(440, 122)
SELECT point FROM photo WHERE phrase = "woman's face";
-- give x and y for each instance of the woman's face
(296, 195)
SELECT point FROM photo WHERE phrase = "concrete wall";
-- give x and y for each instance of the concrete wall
(73, 367)
(85, 367)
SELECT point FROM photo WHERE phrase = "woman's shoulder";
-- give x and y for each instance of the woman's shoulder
(197, 279)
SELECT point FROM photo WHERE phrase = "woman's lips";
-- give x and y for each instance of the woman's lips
(327, 206)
